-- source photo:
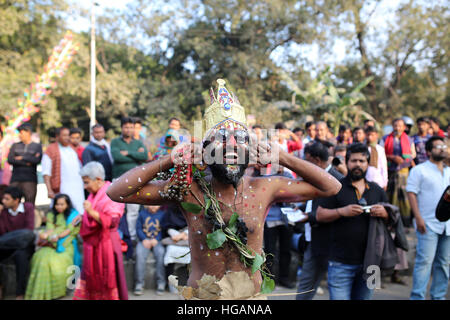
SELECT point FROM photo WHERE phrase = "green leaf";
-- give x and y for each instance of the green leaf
(216, 239)
(257, 263)
(191, 207)
(207, 203)
(268, 284)
(233, 220)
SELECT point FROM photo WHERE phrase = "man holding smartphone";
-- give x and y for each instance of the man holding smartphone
(349, 212)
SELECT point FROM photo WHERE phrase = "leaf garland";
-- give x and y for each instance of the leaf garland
(235, 232)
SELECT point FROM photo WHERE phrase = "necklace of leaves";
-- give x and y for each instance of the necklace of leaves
(235, 232)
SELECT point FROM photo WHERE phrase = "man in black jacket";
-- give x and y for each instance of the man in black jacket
(350, 210)
(315, 261)
(24, 156)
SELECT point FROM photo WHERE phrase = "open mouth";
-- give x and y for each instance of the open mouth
(231, 157)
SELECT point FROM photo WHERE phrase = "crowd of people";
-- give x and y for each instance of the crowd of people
(398, 177)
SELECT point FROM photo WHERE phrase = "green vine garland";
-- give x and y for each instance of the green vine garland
(234, 232)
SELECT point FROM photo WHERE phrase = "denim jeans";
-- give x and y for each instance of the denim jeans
(345, 282)
(132, 216)
(313, 271)
(141, 259)
(432, 255)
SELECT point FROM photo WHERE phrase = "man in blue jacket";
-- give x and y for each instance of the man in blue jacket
(99, 150)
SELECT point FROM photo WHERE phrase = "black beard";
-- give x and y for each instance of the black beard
(356, 176)
(222, 173)
(439, 157)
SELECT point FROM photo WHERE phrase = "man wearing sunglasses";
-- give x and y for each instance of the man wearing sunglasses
(226, 152)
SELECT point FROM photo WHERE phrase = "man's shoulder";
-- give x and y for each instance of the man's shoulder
(28, 206)
(375, 186)
(335, 173)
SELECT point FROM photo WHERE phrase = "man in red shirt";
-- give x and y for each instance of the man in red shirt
(16, 234)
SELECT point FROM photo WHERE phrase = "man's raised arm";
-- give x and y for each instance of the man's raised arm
(317, 183)
(136, 185)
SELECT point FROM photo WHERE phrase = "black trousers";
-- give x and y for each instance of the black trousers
(29, 189)
(18, 245)
(277, 243)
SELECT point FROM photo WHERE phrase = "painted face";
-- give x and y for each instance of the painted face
(227, 154)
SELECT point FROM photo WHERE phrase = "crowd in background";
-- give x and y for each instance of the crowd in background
(396, 171)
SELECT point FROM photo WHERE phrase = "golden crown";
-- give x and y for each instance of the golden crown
(225, 110)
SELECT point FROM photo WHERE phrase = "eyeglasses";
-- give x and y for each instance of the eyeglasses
(440, 147)
(241, 136)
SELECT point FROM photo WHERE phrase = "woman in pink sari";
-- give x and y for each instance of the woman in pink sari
(102, 274)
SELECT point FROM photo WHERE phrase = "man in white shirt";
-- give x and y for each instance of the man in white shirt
(67, 179)
(377, 171)
(426, 183)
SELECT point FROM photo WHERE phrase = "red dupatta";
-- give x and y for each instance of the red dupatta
(404, 142)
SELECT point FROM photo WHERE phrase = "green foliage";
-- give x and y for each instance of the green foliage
(191, 207)
(158, 61)
(215, 239)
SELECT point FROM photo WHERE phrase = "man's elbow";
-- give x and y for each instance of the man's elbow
(334, 188)
(113, 195)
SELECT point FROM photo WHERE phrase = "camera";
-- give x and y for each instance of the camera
(337, 161)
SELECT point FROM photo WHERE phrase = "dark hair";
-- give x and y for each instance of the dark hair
(137, 120)
(357, 148)
(317, 150)
(356, 129)
(367, 120)
(340, 147)
(343, 127)
(309, 124)
(434, 119)
(280, 126)
(126, 120)
(58, 130)
(51, 132)
(14, 192)
(75, 130)
(423, 119)
(297, 129)
(97, 125)
(429, 143)
(25, 127)
(398, 119)
(256, 126)
(370, 129)
(174, 118)
(69, 206)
